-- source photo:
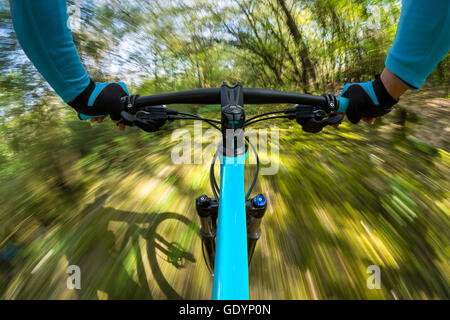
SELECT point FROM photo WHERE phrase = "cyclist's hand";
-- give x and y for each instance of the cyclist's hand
(99, 100)
(366, 101)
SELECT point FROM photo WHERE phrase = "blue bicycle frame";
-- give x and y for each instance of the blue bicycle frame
(231, 263)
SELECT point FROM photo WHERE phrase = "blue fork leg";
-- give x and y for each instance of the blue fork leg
(231, 262)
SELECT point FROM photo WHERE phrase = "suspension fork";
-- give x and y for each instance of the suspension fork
(255, 209)
(208, 208)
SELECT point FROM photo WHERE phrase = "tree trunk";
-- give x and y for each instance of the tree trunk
(308, 69)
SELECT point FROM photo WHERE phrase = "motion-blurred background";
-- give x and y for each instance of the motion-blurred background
(113, 203)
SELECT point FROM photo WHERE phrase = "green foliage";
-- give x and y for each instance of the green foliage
(75, 192)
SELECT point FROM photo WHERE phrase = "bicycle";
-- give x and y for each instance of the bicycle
(230, 221)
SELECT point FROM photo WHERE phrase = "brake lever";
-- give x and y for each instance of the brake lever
(311, 118)
(149, 119)
(313, 125)
(335, 119)
(148, 125)
(127, 118)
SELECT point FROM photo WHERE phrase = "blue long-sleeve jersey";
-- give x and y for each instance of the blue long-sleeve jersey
(422, 40)
(42, 30)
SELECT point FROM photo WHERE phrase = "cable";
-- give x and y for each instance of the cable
(257, 169)
(198, 117)
(212, 179)
(209, 121)
(268, 118)
(264, 114)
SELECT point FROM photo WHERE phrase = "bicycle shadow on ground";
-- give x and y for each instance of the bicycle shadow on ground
(138, 232)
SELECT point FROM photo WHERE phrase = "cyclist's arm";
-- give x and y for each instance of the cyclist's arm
(422, 40)
(42, 31)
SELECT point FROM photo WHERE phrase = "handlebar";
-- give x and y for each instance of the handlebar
(212, 96)
(312, 112)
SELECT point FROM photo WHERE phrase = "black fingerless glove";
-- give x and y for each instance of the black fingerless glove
(100, 99)
(367, 99)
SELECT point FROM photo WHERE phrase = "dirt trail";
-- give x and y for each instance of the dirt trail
(432, 105)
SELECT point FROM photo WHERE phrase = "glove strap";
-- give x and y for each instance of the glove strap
(80, 102)
(384, 98)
